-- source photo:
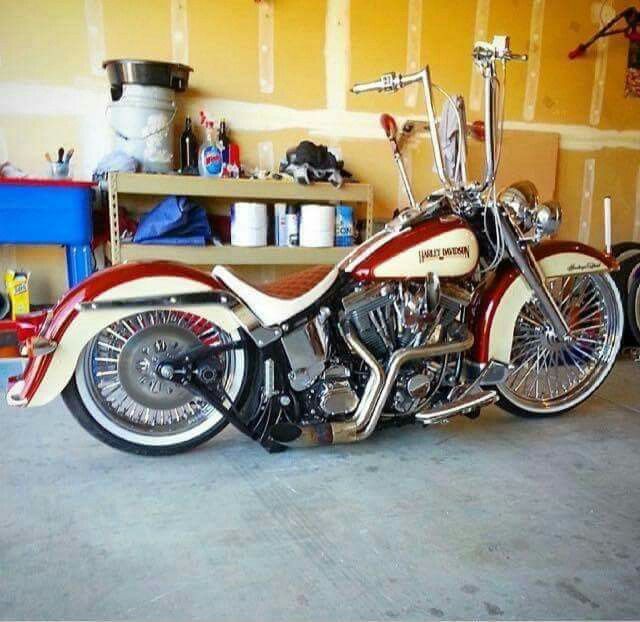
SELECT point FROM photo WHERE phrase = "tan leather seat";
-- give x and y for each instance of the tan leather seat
(277, 301)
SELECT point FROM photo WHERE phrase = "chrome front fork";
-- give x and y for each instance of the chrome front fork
(530, 270)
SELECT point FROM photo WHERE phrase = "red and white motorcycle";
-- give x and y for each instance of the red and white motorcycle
(456, 304)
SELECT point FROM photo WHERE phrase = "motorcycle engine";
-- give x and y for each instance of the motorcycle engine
(398, 315)
(387, 317)
(403, 314)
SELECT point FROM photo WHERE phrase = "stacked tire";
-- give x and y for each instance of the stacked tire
(627, 280)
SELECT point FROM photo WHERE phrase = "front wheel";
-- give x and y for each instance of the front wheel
(118, 397)
(549, 376)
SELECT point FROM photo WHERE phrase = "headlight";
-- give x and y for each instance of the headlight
(548, 217)
(522, 200)
(534, 218)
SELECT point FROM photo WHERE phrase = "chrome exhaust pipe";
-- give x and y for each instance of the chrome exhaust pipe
(400, 358)
(459, 407)
(374, 397)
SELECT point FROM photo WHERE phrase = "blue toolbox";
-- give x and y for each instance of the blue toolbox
(47, 211)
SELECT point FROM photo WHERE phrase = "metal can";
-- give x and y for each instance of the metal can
(344, 226)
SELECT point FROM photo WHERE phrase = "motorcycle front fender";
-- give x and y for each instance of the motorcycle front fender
(134, 287)
(496, 308)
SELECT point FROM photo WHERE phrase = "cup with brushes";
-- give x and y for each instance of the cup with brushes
(60, 169)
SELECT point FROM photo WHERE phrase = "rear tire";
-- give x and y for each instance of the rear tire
(633, 309)
(75, 404)
(621, 250)
(622, 278)
(118, 398)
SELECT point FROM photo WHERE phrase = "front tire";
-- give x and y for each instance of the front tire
(118, 398)
(551, 377)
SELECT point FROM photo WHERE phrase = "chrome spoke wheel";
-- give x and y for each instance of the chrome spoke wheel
(551, 375)
(118, 382)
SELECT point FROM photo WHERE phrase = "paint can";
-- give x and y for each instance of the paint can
(292, 225)
(317, 225)
(280, 224)
(345, 230)
(249, 224)
(142, 121)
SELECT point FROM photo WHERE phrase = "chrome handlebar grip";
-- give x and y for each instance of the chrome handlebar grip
(386, 82)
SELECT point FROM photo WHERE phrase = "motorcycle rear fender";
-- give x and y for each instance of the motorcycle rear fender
(496, 308)
(70, 328)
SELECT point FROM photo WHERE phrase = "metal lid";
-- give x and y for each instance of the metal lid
(147, 73)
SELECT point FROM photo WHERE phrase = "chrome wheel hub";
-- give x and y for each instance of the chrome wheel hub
(140, 359)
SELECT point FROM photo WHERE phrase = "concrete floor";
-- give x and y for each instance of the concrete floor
(496, 518)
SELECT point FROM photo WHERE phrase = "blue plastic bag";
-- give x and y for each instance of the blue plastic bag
(175, 220)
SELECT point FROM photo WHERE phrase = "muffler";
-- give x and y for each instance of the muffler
(316, 434)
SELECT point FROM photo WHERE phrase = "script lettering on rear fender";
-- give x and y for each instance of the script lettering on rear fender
(443, 253)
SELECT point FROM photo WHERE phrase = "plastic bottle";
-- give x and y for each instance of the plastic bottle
(210, 162)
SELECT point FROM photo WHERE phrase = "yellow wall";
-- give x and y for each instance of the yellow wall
(51, 95)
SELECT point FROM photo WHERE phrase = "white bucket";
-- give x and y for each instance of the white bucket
(317, 225)
(249, 224)
(142, 120)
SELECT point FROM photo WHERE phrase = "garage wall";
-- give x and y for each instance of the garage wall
(279, 71)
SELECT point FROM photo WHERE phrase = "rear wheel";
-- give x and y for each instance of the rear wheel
(633, 308)
(550, 377)
(118, 397)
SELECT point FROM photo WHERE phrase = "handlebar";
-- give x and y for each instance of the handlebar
(482, 53)
(485, 53)
(388, 82)
(486, 56)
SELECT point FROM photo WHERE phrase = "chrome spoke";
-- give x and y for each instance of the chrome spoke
(549, 373)
(122, 372)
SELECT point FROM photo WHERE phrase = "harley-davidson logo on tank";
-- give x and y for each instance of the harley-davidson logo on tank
(452, 253)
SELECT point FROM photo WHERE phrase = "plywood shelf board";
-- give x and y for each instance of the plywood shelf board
(145, 183)
(231, 255)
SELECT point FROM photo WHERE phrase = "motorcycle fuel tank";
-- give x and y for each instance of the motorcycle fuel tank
(445, 246)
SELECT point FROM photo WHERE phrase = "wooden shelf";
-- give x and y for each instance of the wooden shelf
(231, 255)
(264, 189)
